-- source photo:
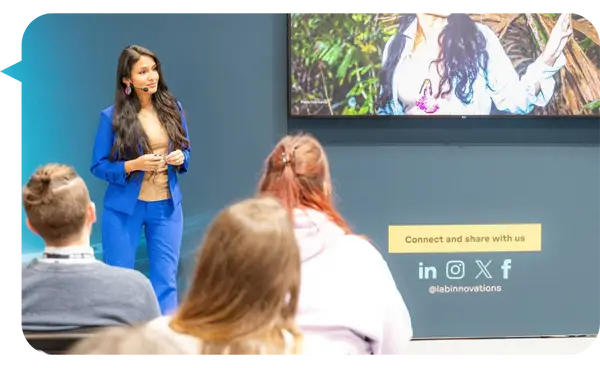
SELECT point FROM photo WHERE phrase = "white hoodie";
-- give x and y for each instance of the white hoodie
(347, 293)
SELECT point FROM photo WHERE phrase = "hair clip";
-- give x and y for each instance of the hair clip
(284, 158)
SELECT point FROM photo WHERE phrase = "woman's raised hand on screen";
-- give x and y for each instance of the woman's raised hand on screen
(558, 39)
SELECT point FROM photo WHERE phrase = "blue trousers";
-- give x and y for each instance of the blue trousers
(163, 225)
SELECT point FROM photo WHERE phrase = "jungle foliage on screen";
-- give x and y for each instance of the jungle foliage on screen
(443, 65)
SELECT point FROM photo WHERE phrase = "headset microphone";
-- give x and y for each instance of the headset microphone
(145, 89)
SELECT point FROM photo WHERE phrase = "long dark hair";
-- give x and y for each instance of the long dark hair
(462, 54)
(128, 131)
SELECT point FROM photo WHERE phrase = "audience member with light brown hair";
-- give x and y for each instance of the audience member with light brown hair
(244, 293)
(348, 293)
(126, 340)
(67, 288)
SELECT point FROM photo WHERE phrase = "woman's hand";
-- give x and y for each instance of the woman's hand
(558, 39)
(175, 158)
(148, 162)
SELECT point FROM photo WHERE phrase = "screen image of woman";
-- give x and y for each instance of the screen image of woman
(443, 65)
(448, 64)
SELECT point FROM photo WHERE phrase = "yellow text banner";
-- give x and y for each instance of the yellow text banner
(464, 238)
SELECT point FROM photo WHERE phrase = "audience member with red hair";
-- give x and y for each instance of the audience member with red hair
(348, 294)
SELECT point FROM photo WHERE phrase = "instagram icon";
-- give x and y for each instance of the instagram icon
(455, 270)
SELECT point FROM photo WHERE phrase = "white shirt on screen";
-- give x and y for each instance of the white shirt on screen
(504, 88)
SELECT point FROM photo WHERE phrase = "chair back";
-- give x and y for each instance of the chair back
(55, 343)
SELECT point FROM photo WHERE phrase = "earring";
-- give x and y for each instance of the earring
(128, 90)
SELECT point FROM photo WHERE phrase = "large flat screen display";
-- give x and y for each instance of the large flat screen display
(343, 65)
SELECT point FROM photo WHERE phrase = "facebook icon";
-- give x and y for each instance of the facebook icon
(505, 268)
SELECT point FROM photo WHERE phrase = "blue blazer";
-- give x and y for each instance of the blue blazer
(123, 191)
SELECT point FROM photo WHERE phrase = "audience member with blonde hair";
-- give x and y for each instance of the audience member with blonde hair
(67, 288)
(244, 293)
(348, 294)
(126, 340)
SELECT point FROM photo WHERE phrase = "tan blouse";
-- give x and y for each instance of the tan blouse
(155, 186)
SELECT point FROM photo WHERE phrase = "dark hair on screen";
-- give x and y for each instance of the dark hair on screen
(462, 55)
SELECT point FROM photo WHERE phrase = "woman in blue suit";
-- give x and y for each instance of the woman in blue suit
(141, 146)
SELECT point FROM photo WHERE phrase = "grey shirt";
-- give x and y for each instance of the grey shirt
(62, 296)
